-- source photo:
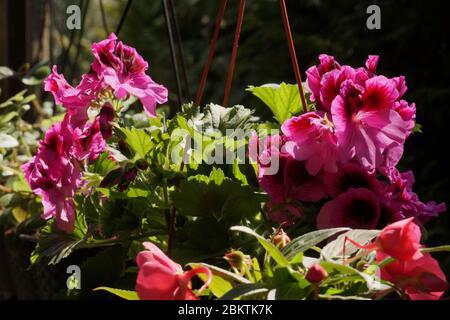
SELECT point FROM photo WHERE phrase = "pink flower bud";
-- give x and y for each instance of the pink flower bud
(281, 239)
(316, 274)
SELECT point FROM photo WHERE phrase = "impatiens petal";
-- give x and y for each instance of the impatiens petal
(401, 240)
(421, 278)
(153, 253)
(156, 281)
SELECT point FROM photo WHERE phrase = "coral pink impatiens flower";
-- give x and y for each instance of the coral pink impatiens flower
(399, 240)
(160, 278)
(422, 278)
(123, 69)
(312, 139)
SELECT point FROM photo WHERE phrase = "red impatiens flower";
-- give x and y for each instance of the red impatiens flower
(160, 278)
(422, 278)
(399, 240)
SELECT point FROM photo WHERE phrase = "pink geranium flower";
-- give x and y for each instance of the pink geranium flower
(160, 278)
(401, 199)
(371, 122)
(312, 140)
(408, 114)
(350, 175)
(123, 69)
(88, 141)
(314, 77)
(366, 124)
(422, 278)
(286, 181)
(54, 176)
(356, 208)
(76, 99)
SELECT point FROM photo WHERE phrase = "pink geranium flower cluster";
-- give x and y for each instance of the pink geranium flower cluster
(117, 72)
(346, 152)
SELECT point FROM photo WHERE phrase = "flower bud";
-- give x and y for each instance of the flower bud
(142, 164)
(238, 261)
(106, 116)
(281, 239)
(316, 274)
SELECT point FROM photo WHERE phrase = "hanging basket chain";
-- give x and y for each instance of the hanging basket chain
(237, 34)
(104, 22)
(122, 19)
(201, 88)
(287, 29)
(179, 42)
(170, 35)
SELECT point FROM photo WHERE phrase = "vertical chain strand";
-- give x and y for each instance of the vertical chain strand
(287, 29)
(237, 34)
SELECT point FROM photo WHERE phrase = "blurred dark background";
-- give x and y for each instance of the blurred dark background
(413, 41)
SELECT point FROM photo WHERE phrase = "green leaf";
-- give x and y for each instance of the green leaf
(283, 99)
(31, 81)
(334, 249)
(7, 141)
(216, 195)
(103, 164)
(215, 117)
(417, 128)
(5, 72)
(103, 269)
(308, 240)
(222, 280)
(138, 140)
(268, 246)
(8, 117)
(218, 117)
(124, 294)
(37, 74)
(55, 245)
(338, 270)
(245, 290)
